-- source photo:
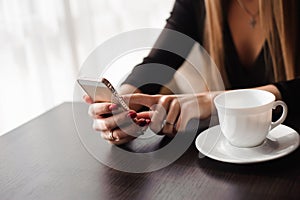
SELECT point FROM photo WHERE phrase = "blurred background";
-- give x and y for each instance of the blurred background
(44, 43)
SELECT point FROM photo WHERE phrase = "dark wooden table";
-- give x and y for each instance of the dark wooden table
(44, 159)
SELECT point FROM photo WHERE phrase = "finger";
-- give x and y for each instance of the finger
(123, 135)
(131, 130)
(145, 114)
(118, 136)
(179, 126)
(142, 122)
(160, 113)
(98, 109)
(142, 99)
(184, 117)
(114, 121)
(87, 99)
(171, 118)
(122, 141)
(191, 109)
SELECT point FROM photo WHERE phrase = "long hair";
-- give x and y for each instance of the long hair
(278, 19)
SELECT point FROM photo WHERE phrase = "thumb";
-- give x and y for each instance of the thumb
(87, 99)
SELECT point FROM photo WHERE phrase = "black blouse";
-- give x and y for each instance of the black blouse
(188, 17)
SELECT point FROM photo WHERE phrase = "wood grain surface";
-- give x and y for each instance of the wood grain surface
(44, 159)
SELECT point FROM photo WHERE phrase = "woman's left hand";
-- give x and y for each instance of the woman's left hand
(171, 113)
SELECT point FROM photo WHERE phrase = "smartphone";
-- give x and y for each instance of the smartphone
(102, 91)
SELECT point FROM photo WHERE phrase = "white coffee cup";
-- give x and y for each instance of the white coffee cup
(245, 115)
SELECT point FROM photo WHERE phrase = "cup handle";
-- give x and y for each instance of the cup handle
(282, 117)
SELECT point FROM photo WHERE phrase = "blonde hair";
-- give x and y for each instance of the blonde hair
(278, 19)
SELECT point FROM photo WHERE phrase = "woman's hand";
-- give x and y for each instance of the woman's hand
(115, 125)
(171, 113)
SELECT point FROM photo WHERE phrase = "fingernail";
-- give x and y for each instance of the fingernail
(148, 121)
(131, 114)
(113, 107)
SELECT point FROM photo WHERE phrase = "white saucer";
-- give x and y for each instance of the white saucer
(281, 141)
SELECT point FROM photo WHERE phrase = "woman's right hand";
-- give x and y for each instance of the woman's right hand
(115, 125)
(171, 113)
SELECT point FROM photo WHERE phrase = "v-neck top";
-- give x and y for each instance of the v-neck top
(188, 17)
(239, 75)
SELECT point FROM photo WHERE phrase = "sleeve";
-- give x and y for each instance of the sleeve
(160, 65)
(290, 92)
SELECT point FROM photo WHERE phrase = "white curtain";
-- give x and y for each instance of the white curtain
(43, 43)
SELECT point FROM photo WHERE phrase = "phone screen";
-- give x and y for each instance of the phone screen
(102, 91)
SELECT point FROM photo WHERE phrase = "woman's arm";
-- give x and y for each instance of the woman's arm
(186, 18)
(179, 109)
(290, 94)
(273, 89)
